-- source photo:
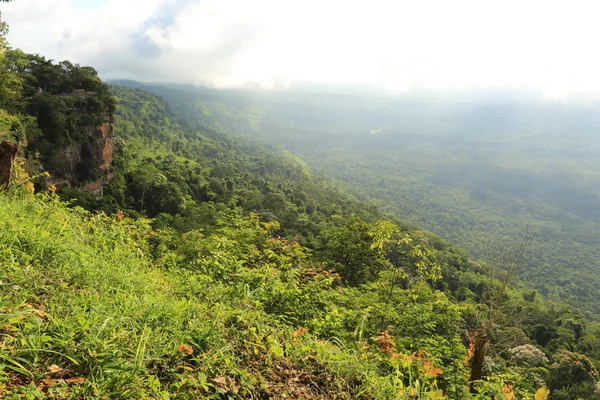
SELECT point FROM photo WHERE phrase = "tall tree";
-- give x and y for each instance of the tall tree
(505, 265)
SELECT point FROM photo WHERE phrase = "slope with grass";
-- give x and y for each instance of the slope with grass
(92, 308)
(218, 267)
(98, 306)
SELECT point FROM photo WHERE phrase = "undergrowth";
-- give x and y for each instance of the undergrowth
(93, 306)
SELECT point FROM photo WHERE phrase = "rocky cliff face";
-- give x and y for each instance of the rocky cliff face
(8, 152)
(85, 165)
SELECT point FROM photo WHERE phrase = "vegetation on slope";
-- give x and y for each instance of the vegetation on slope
(110, 307)
(383, 273)
(222, 268)
(472, 170)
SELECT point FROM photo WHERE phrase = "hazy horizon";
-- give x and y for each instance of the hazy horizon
(393, 46)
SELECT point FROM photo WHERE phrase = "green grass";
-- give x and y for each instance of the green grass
(86, 311)
(93, 306)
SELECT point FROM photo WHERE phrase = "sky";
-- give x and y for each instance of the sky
(396, 45)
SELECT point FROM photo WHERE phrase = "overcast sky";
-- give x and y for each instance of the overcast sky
(395, 44)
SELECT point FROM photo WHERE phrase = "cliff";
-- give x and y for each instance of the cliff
(8, 152)
(85, 165)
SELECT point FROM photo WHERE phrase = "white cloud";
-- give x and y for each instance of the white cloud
(396, 44)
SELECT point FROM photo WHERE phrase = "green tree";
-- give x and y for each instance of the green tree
(573, 376)
(503, 271)
(349, 250)
(10, 83)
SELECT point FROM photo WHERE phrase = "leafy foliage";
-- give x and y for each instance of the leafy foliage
(218, 267)
(474, 169)
(58, 103)
(394, 260)
(108, 308)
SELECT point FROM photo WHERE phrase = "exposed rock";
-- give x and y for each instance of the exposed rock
(8, 152)
(86, 165)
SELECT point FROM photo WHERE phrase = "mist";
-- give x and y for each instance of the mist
(396, 46)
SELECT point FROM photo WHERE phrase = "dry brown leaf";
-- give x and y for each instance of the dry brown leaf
(49, 382)
(55, 369)
(76, 380)
(58, 372)
(220, 381)
(40, 314)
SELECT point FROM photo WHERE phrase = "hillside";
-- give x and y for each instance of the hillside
(217, 267)
(113, 308)
(473, 168)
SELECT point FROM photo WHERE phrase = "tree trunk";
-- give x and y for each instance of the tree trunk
(8, 152)
(479, 347)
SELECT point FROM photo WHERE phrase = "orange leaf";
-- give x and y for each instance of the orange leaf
(76, 380)
(49, 382)
(432, 372)
(508, 392)
(185, 348)
(299, 332)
